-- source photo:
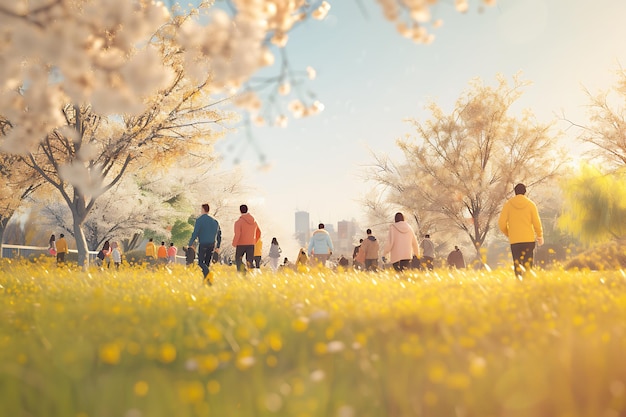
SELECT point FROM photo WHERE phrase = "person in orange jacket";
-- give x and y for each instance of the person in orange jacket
(162, 254)
(247, 234)
(520, 222)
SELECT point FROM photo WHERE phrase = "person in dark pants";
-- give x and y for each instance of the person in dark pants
(190, 254)
(61, 249)
(368, 253)
(207, 231)
(247, 234)
(456, 259)
(520, 222)
(428, 253)
(401, 244)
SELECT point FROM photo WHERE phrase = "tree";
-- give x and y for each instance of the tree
(122, 214)
(606, 132)
(17, 183)
(459, 167)
(161, 201)
(594, 208)
(92, 153)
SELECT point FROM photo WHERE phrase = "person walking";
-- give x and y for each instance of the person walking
(357, 262)
(258, 253)
(190, 254)
(520, 222)
(455, 259)
(162, 254)
(302, 259)
(368, 253)
(320, 245)
(52, 245)
(207, 231)
(274, 254)
(116, 255)
(171, 253)
(247, 234)
(104, 254)
(401, 244)
(428, 253)
(151, 252)
(62, 249)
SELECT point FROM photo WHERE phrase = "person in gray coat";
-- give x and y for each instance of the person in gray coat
(428, 253)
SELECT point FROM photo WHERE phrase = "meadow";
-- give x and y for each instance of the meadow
(151, 343)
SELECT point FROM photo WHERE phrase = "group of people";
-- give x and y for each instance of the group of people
(58, 248)
(109, 251)
(401, 246)
(519, 221)
(209, 235)
(161, 254)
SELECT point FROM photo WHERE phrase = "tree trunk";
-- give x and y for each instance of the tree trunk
(3, 225)
(132, 243)
(2, 229)
(81, 243)
(79, 214)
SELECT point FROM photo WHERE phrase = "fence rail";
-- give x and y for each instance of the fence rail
(22, 251)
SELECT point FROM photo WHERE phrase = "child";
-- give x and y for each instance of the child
(52, 246)
(303, 259)
(116, 254)
(190, 254)
(104, 254)
(162, 254)
(171, 253)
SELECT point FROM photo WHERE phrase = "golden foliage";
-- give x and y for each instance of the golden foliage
(604, 257)
(595, 205)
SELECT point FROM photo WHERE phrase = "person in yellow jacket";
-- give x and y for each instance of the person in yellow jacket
(61, 249)
(258, 253)
(151, 251)
(520, 222)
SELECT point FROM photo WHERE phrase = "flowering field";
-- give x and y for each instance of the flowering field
(141, 343)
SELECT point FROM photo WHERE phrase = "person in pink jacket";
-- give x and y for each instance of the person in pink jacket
(401, 244)
(247, 233)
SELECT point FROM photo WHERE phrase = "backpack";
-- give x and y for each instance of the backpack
(101, 255)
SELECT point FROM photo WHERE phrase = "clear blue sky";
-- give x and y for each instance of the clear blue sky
(371, 79)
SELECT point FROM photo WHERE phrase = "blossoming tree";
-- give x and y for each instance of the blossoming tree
(460, 167)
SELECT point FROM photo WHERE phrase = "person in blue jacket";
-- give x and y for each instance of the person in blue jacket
(207, 231)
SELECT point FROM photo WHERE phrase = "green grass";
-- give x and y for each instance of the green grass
(150, 343)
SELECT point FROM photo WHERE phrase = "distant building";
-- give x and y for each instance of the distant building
(345, 238)
(303, 228)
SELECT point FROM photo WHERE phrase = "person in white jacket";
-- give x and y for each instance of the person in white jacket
(116, 254)
(401, 244)
(320, 245)
(274, 254)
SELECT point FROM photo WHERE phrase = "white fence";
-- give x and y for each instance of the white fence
(21, 251)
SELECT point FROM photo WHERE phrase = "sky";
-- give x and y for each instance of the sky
(371, 79)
